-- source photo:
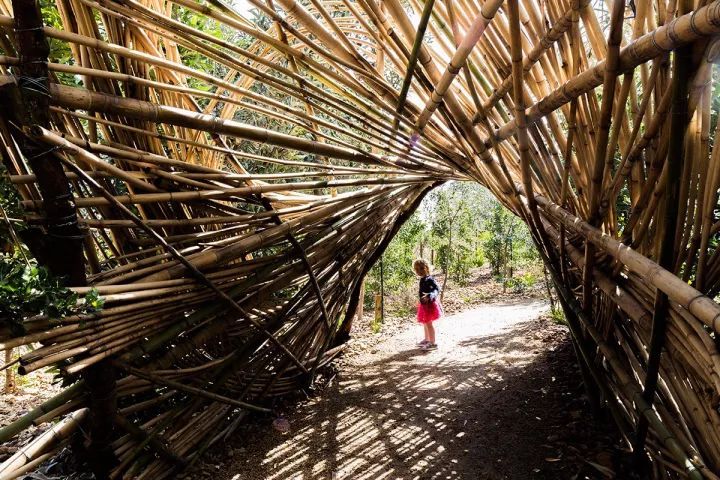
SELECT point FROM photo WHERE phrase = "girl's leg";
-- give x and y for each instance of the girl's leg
(430, 332)
(426, 332)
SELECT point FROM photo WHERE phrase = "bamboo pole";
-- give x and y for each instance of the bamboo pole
(69, 97)
(472, 36)
(412, 61)
(55, 434)
(702, 307)
(180, 258)
(186, 388)
(669, 227)
(682, 31)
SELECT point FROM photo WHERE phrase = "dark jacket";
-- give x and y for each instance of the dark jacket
(428, 285)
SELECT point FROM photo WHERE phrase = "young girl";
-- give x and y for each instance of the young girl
(429, 308)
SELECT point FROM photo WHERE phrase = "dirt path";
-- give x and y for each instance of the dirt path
(499, 399)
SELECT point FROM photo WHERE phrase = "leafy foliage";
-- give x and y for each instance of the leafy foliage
(455, 225)
(9, 197)
(521, 283)
(27, 289)
(10, 212)
(59, 50)
(397, 259)
(557, 315)
(506, 242)
(458, 226)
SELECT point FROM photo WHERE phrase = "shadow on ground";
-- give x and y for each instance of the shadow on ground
(501, 399)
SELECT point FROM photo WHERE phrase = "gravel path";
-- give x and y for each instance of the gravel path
(499, 399)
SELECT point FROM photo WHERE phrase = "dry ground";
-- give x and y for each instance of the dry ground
(500, 399)
(32, 390)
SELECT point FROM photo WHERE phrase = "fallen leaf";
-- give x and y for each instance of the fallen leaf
(282, 425)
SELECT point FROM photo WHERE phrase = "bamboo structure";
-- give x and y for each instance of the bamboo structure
(224, 177)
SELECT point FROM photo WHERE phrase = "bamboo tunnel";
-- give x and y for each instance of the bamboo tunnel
(224, 177)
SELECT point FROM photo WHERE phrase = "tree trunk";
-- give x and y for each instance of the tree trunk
(64, 238)
(10, 385)
(378, 308)
(505, 262)
(63, 244)
(547, 286)
(361, 305)
(447, 266)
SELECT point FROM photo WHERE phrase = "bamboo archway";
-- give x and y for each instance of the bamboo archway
(224, 178)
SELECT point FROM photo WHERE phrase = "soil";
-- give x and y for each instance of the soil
(30, 391)
(501, 398)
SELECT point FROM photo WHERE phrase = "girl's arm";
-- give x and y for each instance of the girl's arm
(435, 290)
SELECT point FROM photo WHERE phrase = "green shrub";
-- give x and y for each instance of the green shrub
(27, 289)
(528, 279)
(479, 260)
(557, 315)
(397, 262)
(520, 284)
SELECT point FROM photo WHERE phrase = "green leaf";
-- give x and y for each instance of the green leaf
(27, 290)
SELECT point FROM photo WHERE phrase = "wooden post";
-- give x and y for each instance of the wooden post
(63, 241)
(382, 289)
(378, 307)
(361, 305)
(10, 385)
(547, 287)
(62, 246)
(682, 64)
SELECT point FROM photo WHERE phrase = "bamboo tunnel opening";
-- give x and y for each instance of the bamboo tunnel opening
(212, 181)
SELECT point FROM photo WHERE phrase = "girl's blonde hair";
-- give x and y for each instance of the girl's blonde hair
(421, 267)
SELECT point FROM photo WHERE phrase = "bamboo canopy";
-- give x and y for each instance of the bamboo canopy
(224, 175)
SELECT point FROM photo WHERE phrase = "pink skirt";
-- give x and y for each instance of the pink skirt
(429, 312)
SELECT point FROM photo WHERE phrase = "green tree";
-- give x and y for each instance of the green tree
(397, 259)
(455, 224)
(506, 242)
(463, 224)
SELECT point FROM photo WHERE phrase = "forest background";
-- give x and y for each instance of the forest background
(458, 228)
